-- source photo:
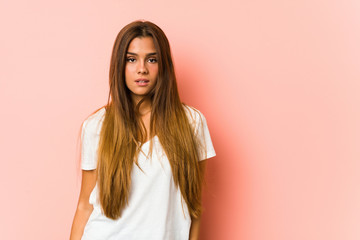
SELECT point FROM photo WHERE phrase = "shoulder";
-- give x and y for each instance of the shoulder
(93, 122)
(195, 115)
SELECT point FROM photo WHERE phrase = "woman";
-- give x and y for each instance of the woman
(143, 153)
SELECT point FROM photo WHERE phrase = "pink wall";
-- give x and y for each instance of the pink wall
(278, 82)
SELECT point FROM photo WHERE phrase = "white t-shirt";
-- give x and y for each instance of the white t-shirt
(156, 209)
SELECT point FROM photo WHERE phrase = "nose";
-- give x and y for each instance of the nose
(142, 69)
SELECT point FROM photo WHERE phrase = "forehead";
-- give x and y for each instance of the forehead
(142, 45)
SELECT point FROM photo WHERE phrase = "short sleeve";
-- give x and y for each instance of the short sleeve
(90, 134)
(202, 133)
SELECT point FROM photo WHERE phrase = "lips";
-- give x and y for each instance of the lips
(142, 80)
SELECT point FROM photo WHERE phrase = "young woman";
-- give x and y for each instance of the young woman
(143, 153)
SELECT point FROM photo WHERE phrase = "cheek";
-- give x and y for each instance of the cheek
(127, 76)
(155, 70)
(128, 71)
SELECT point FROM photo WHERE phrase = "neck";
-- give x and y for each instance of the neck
(145, 106)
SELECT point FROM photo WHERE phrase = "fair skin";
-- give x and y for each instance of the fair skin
(141, 63)
(84, 208)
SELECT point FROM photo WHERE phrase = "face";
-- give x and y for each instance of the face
(141, 69)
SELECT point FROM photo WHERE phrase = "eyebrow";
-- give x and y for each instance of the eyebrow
(149, 54)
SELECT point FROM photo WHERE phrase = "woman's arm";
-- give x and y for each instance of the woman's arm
(195, 222)
(195, 229)
(84, 208)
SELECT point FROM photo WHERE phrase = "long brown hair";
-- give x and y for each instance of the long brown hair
(122, 129)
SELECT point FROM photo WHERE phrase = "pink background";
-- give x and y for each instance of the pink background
(278, 82)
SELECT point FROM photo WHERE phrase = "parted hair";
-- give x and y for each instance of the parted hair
(123, 132)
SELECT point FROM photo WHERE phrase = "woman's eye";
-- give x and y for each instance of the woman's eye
(152, 60)
(130, 59)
